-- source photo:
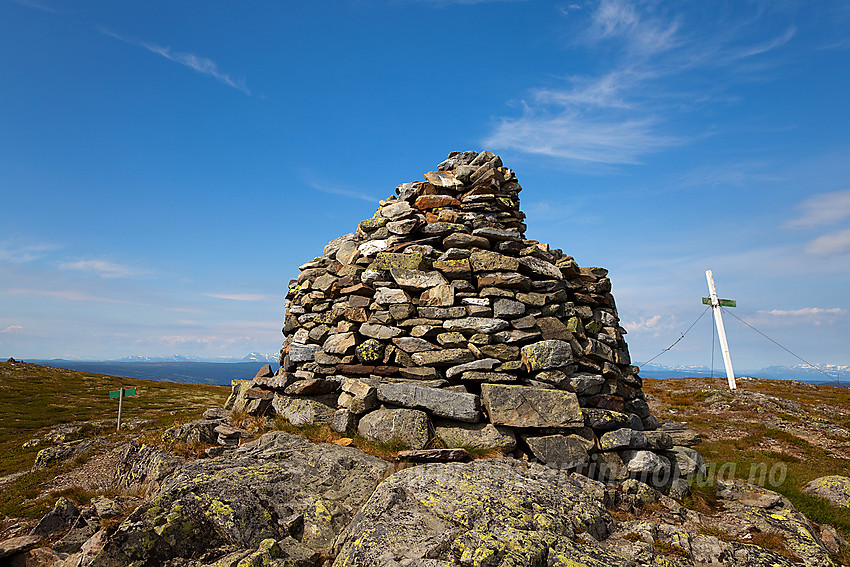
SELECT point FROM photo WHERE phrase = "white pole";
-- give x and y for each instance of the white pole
(120, 403)
(715, 305)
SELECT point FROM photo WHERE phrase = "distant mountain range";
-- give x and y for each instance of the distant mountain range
(820, 373)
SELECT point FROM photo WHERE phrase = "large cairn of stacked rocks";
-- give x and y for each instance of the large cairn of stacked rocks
(439, 324)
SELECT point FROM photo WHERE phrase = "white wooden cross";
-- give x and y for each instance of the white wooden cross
(715, 305)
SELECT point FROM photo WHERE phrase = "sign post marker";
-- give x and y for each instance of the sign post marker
(120, 395)
(718, 319)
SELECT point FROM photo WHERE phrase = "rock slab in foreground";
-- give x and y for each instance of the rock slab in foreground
(271, 488)
(487, 512)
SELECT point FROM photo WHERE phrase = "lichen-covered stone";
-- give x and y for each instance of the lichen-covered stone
(476, 324)
(439, 296)
(390, 296)
(370, 351)
(409, 427)
(243, 500)
(381, 332)
(417, 279)
(605, 420)
(487, 261)
(461, 240)
(302, 352)
(441, 403)
(622, 438)
(480, 436)
(523, 406)
(396, 261)
(545, 355)
(444, 357)
(302, 411)
(564, 451)
(834, 488)
(487, 512)
(58, 520)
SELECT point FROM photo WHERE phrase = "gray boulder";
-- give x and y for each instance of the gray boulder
(545, 355)
(834, 488)
(605, 420)
(523, 406)
(198, 431)
(564, 451)
(443, 403)
(276, 487)
(302, 411)
(478, 513)
(623, 438)
(482, 436)
(58, 520)
(407, 426)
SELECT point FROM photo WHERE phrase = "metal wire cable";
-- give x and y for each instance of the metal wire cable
(779, 345)
(713, 336)
(677, 340)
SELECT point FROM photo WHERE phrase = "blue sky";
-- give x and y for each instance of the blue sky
(166, 167)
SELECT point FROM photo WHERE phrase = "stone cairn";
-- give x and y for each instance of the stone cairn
(438, 323)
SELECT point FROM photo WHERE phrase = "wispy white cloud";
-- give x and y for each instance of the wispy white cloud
(185, 310)
(568, 8)
(202, 65)
(41, 6)
(769, 45)
(740, 174)
(246, 333)
(653, 325)
(15, 252)
(806, 316)
(644, 36)
(830, 244)
(102, 268)
(806, 311)
(631, 110)
(243, 296)
(574, 135)
(823, 209)
(71, 295)
(12, 329)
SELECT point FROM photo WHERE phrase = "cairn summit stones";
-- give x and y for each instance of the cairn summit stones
(439, 318)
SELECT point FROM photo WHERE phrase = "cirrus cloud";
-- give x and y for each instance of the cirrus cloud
(102, 268)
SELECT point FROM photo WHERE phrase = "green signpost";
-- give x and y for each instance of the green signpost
(120, 394)
(721, 302)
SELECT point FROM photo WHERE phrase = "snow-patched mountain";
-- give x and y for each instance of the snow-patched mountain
(803, 372)
(258, 357)
(808, 372)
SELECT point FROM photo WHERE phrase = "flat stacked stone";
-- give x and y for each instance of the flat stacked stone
(438, 310)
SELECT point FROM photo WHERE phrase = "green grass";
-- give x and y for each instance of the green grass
(758, 442)
(34, 399)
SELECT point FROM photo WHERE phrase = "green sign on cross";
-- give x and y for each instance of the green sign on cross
(722, 302)
(120, 395)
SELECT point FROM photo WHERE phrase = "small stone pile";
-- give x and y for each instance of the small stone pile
(438, 322)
